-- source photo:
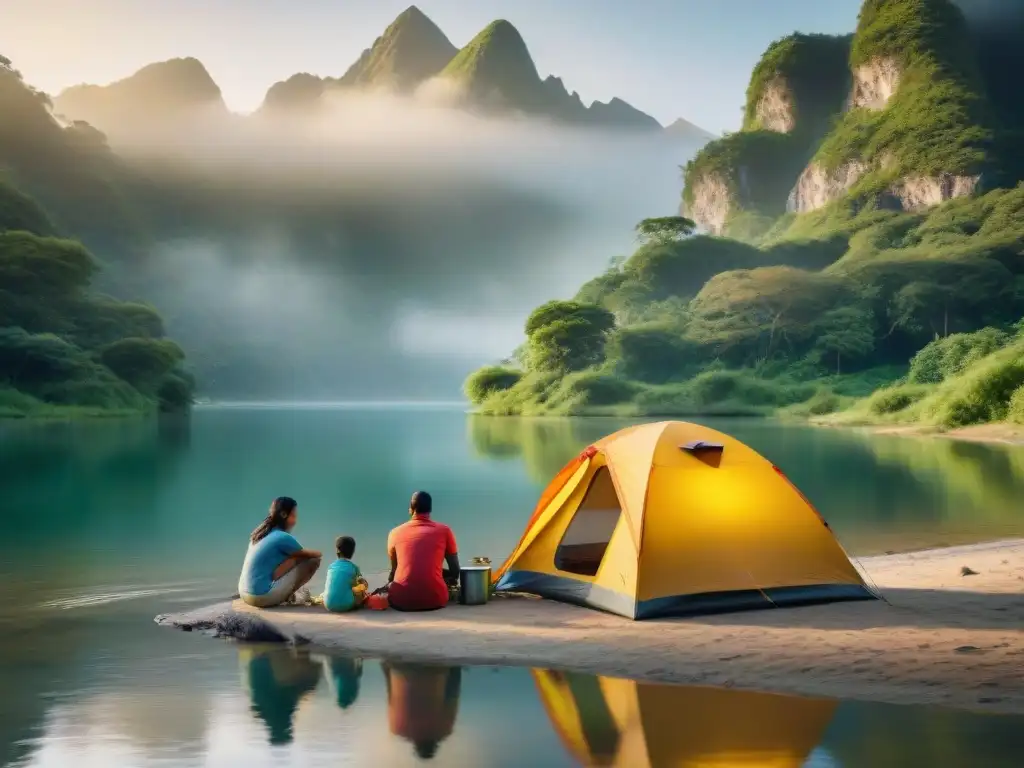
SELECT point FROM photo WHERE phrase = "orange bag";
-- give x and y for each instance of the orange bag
(377, 602)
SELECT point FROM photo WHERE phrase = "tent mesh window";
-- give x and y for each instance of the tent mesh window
(586, 539)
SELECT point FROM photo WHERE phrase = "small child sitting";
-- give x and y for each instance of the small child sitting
(346, 588)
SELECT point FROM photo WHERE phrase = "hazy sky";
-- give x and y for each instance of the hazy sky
(671, 58)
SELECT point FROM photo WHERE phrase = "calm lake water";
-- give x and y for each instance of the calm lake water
(112, 523)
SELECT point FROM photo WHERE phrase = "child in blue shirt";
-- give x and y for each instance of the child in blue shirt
(346, 588)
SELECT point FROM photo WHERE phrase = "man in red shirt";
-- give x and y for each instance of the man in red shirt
(418, 550)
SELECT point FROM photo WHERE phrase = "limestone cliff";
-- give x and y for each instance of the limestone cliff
(741, 181)
(919, 193)
(818, 186)
(874, 84)
(916, 131)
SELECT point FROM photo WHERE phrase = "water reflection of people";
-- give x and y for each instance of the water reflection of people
(344, 675)
(611, 722)
(423, 702)
(278, 679)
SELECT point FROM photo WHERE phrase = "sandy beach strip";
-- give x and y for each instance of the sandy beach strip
(998, 434)
(938, 638)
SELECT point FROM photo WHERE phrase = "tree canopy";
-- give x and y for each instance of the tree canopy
(665, 229)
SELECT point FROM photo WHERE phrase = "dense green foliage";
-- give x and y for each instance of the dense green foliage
(567, 336)
(20, 212)
(68, 170)
(979, 388)
(491, 379)
(664, 229)
(950, 356)
(64, 349)
(859, 311)
(712, 325)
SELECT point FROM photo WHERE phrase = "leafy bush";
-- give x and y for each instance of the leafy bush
(14, 404)
(102, 321)
(488, 380)
(715, 387)
(950, 356)
(823, 402)
(652, 353)
(143, 363)
(1015, 409)
(895, 399)
(557, 311)
(984, 394)
(30, 361)
(176, 392)
(99, 391)
(594, 389)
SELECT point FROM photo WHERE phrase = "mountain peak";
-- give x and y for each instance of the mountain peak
(297, 92)
(496, 66)
(412, 49)
(682, 128)
(154, 93)
(412, 15)
(185, 79)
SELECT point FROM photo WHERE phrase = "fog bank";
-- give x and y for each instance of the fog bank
(380, 246)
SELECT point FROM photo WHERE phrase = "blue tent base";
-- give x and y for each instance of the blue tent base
(568, 590)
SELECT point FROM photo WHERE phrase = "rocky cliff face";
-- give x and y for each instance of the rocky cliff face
(817, 187)
(919, 193)
(775, 110)
(795, 91)
(874, 84)
(712, 203)
(928, 137)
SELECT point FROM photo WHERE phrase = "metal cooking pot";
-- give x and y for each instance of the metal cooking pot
(474, 584)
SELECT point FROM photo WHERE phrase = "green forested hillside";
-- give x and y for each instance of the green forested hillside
(893, 293)
(63, 347)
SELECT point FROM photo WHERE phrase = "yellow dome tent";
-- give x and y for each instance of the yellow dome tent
(626, 724)
(672, 519)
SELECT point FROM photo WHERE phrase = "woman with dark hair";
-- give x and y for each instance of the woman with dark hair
(276, 565)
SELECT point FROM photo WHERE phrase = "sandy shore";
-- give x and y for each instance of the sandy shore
(939, 638)
(1003, 434)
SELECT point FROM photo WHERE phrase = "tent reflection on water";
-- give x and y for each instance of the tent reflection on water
(611, 722)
